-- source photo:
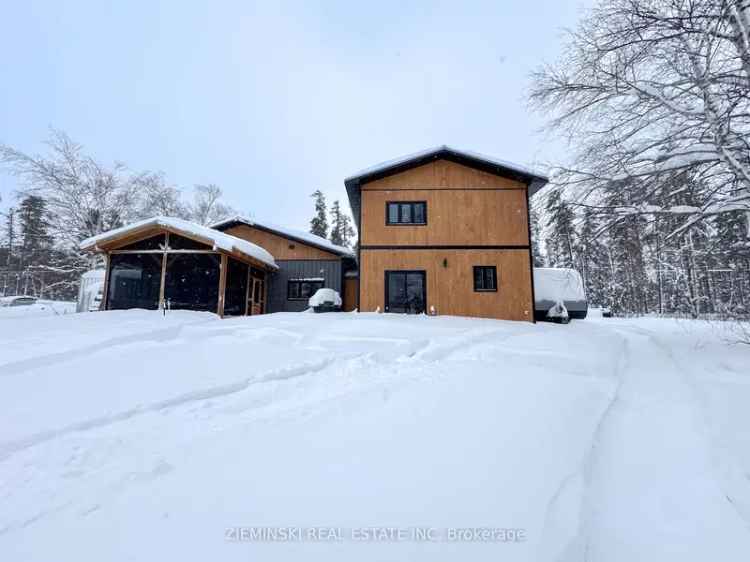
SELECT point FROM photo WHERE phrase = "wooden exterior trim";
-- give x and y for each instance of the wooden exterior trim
(389, 189)
(531, 259)
(163, 280)
(105, 293)
(222, 285)
(248, 289)
(428, 247)
(112, 246)
(164, 251)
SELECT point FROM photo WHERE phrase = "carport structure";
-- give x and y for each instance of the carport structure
(165, 262)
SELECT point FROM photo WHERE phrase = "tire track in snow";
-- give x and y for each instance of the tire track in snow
(575, 547)
(649, 460)
(32, 363)
(11, 447)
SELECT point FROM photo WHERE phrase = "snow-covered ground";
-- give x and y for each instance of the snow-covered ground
(136, 436)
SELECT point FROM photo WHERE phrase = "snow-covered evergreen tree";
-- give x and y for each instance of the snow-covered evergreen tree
(560, 231)
(319, 222)
(536, 236)
(342, 231)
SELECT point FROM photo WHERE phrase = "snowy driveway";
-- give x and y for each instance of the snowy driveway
(128, 435)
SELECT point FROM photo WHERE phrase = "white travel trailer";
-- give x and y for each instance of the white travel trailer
(555, 286)
(91, 291)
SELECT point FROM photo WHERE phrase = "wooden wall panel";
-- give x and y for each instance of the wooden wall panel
(461, 217)
(443, 174)
(279, 247)
(451, 289)
(351, 287)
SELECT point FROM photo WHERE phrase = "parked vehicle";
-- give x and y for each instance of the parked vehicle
(554, 286)
(17, 301)
(91, 291)
(325, 300)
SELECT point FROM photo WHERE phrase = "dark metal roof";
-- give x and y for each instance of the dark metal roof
(532, 179)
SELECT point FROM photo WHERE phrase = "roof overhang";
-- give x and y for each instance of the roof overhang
(533, 180)
(279, 231)
(218, 241)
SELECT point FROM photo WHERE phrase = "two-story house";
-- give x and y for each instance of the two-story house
(447, 232)
(442, 231)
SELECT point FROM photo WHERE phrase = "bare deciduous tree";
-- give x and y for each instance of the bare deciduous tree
(84, 198)
(207, 207)
(653, 88)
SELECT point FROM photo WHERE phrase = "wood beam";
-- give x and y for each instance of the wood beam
(105, 291)
(222, 284)
(162, 280)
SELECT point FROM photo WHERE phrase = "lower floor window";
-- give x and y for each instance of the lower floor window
(485, 278)
(303, 289)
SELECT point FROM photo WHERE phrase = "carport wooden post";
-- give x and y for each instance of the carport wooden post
(162, 304)
(105, 291)
(222, 285)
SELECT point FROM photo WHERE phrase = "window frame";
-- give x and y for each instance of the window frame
(483, 268)
(300, 282)
(412, 205)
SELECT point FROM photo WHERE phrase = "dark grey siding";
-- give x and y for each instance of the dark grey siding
(329, 270)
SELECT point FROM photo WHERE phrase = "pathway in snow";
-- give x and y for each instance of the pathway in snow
(650, 490)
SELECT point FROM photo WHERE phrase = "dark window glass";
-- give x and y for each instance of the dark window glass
(236, 291)
(392, 212)
(302, 290)
(485, 278)
(418, 213)
(405, 213)
(154, 243)
(413, 212)
(192, 281)
(405, 292)
(181, 243)
(293, 290)
(134, 281)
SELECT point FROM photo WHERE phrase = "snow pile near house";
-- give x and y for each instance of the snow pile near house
(219, 240)
(325, 296)
(132, 435)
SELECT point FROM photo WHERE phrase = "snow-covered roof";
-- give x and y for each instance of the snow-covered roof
(533, 179)
(437, 151)
(291, 233)
(215, 238)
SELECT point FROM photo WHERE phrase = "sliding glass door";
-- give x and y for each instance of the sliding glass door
(405, 292)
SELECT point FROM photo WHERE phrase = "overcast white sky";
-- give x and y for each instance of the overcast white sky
(273, 100)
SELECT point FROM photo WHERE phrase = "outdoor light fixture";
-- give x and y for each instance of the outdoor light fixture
(445, 262)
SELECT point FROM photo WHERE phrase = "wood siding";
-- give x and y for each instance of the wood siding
(279, 247)
(473, 218)
(456, 217)
(443, 174)
(450, 289)
(351, 286)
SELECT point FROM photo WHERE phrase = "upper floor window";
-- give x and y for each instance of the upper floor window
(485, 278)
(406, 212)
